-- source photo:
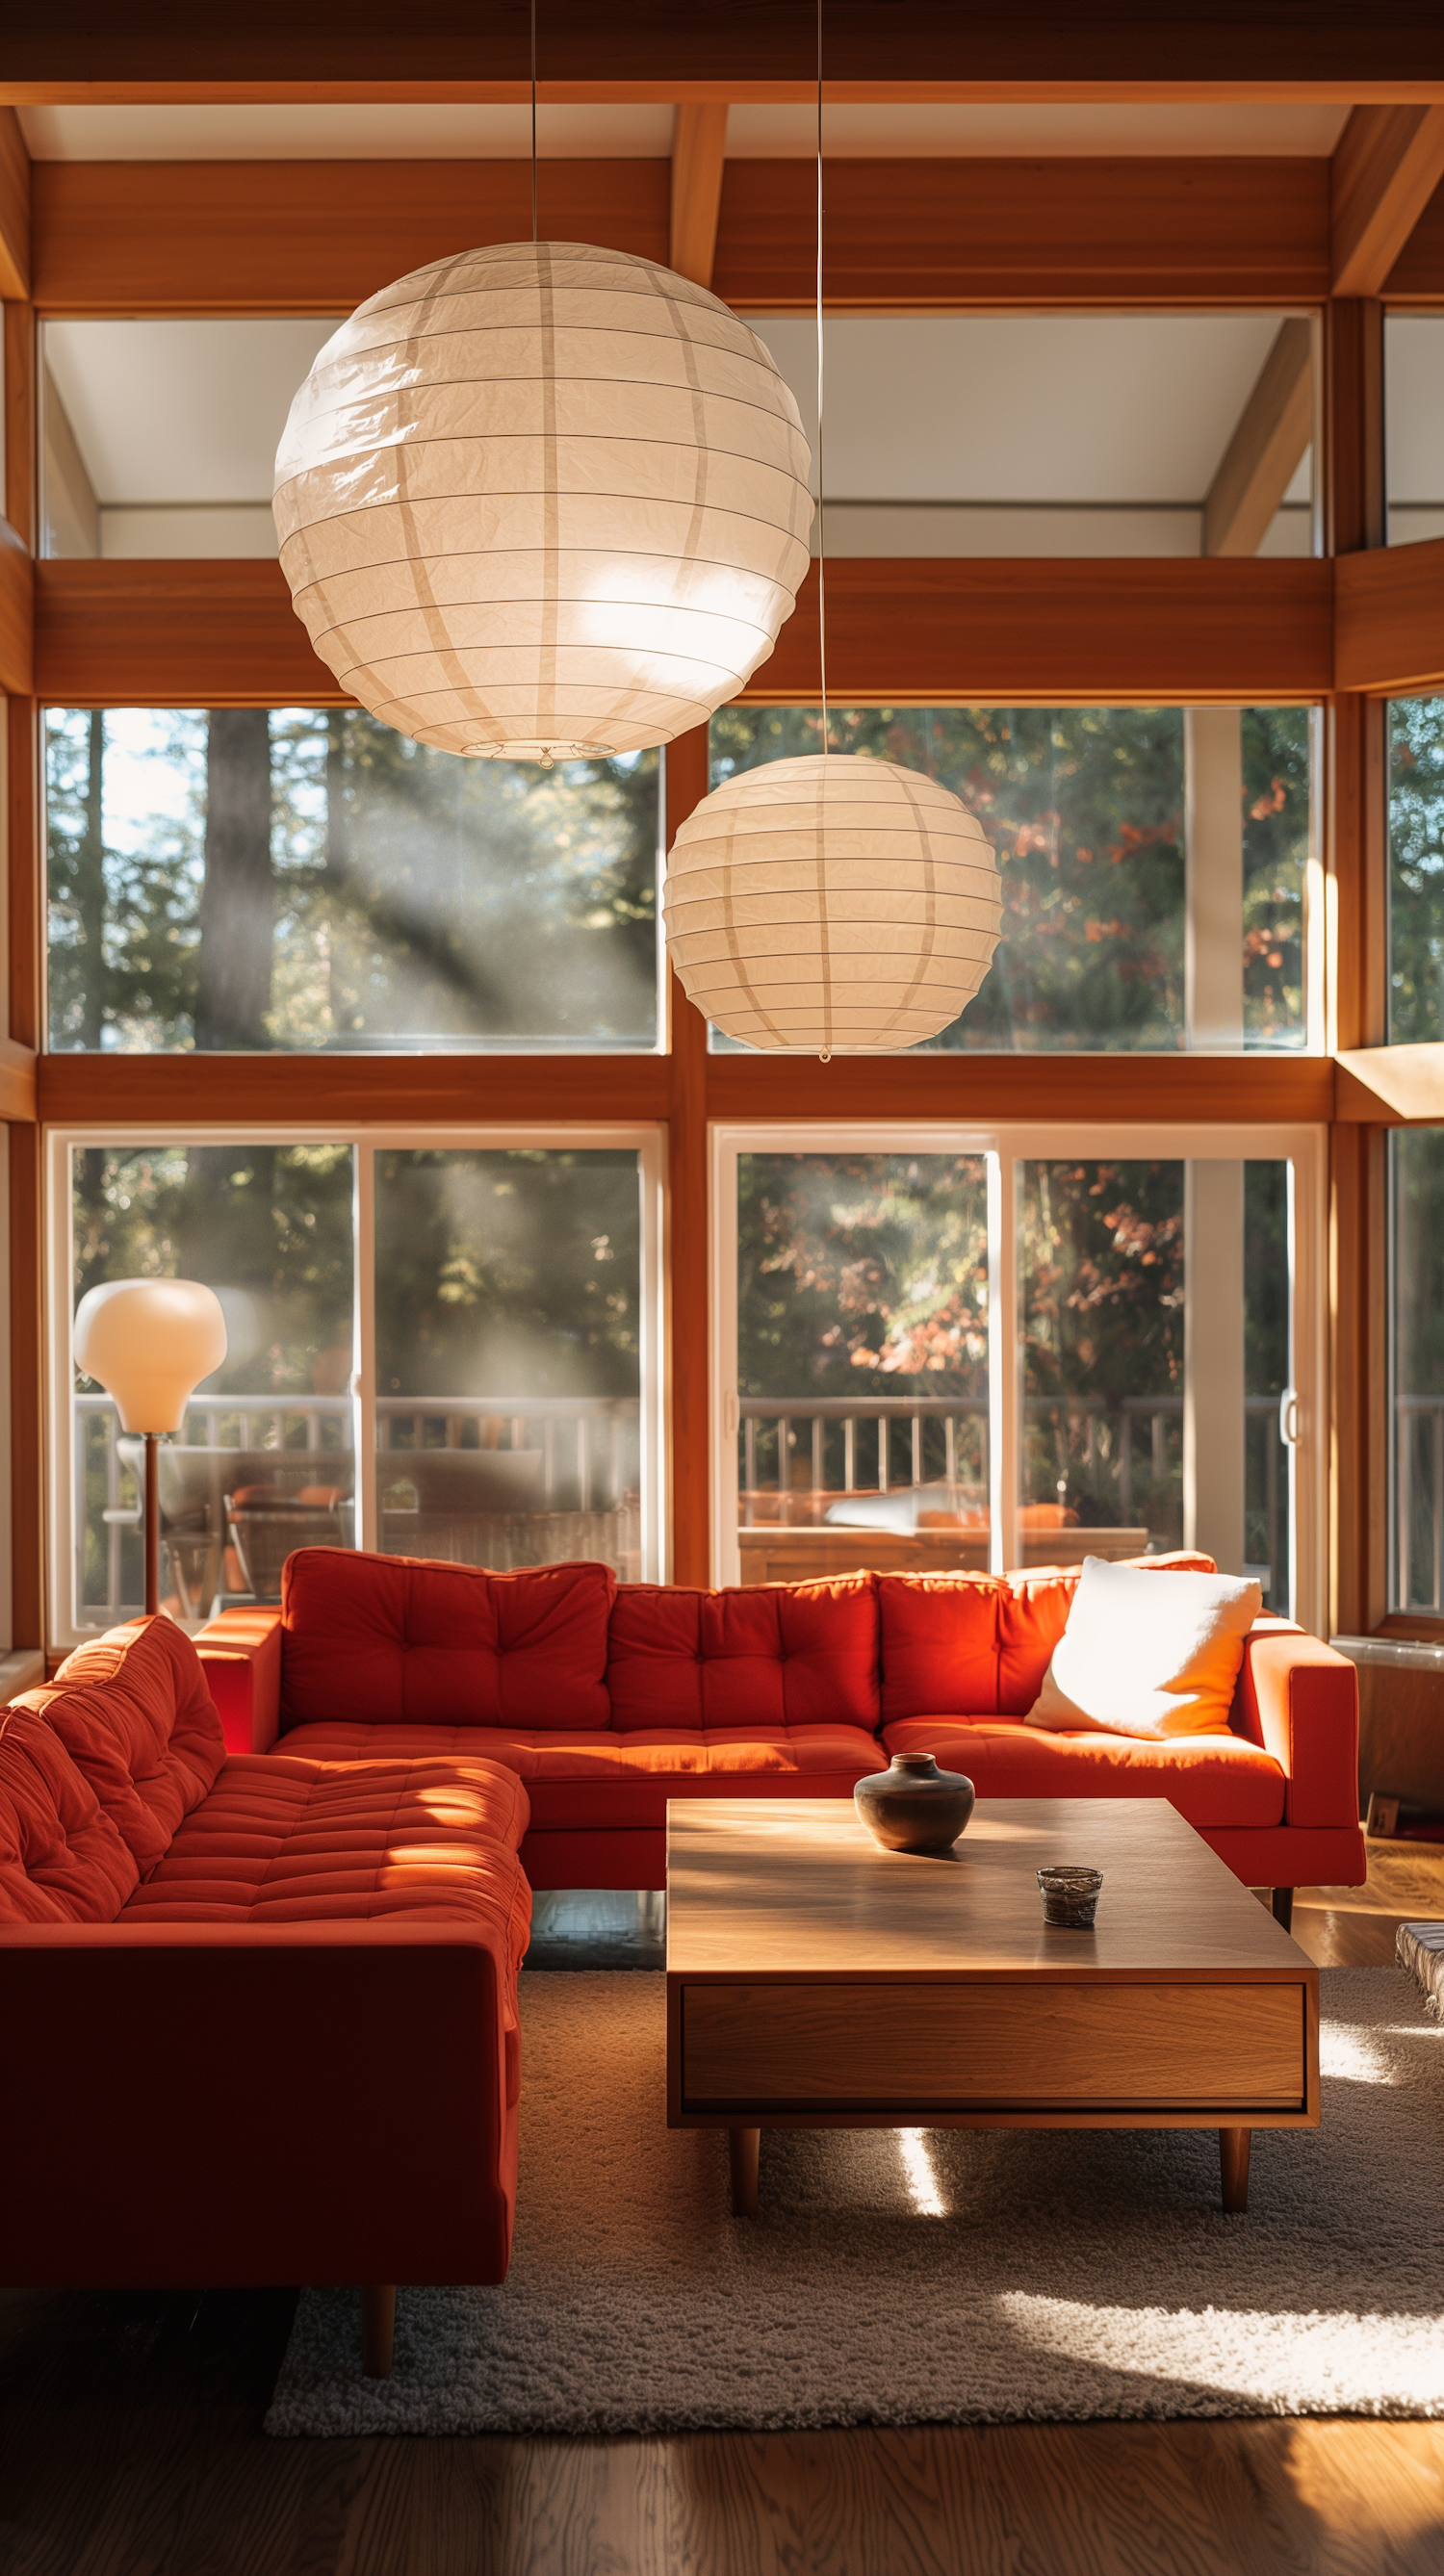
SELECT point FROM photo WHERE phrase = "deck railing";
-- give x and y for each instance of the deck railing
(586, 1483)
(943, 1440)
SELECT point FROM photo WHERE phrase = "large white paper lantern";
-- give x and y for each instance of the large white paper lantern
(541, 499)
(832, 905)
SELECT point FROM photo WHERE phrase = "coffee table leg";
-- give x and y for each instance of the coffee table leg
(743, 2145)
(1233, 2156)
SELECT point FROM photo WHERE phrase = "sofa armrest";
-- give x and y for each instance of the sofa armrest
(241, 1654)
(235, 2104)
(1300, 1701)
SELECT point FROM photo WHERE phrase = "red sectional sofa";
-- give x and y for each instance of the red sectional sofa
(263, 1898)
(266, 2007)
(608, 1699)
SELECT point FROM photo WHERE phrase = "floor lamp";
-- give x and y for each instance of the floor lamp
(149, 1343)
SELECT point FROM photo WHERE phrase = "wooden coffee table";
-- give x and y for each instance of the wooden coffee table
(815, 1981)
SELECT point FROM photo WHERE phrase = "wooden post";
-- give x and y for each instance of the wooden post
(378, 2330)
(743, 2147)
(151, 1508)
(1233, 2147)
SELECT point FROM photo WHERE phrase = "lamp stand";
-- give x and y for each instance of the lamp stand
(152, 1523)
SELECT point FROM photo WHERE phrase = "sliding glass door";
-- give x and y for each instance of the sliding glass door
(439, 1349)
(1017, 1348)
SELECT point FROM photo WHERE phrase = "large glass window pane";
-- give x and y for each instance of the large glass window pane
(1416, 1369)
(862, 1286)
(1101, 1279)
(1155, 1327)
(306, 878)
(508, 1355)
(265, 1458)
(1416, 870)
(1414, 425)
(1090, 810)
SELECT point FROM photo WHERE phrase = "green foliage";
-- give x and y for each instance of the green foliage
(1085, 808)
(269, 1226)
(1416, 870)
(418, 899)
(508, 1272)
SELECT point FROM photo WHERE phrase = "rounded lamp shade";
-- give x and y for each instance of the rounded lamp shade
(831, 905)
(542, 501)
(149, 1343)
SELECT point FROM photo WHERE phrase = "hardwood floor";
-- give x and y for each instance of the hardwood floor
(130, 2446)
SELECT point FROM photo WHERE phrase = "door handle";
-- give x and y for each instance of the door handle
(1289, 1417)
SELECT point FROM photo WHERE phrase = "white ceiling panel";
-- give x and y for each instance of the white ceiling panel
(1025, 407)
(404, 132)
(180, 411)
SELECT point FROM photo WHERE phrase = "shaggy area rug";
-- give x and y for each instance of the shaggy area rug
(923, 2276)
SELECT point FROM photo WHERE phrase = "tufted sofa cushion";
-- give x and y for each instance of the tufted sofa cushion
(134, 1713)
(403, 1641)
(61, 1857)
(978, 1645)
(757, 1656)
(286, 1841)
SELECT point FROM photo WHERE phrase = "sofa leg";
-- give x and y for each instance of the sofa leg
(378, 2330)
(1284, 1907)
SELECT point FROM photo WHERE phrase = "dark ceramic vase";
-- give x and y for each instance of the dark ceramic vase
(913, 1806)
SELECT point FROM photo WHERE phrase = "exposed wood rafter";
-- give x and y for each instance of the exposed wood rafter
(699, 148)
(1266, 449)
(14, 210)
(1385, 169)
(950, 631)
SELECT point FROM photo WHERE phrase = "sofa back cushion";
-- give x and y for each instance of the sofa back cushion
(136, 1717)
(978, 1645)
(61, 1858)
(403, 1641)
(774, 1654)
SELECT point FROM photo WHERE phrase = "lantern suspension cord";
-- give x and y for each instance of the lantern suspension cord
(533, 121)
(822, 482)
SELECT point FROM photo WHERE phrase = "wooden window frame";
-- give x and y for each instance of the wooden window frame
(1351, 628)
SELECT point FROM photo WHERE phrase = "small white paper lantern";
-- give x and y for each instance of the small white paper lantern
(541, 500)
(832, 905)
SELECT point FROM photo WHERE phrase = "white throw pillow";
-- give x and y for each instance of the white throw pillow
(1148, 1653)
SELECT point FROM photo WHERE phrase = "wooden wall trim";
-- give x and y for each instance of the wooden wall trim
(308, 237)
(20, 442)
(341, 1091)
(317, 237)
(198, 634)
(934, 234)
(1092, 632)
(1395, 1086)
(688, 1268)
(17, 614)
(1389, 618)
(14, 209)
(1079, 1089)
(1417, 276)
(1386, 167)
(23, 872)
(666, 48)
(27, 1390)
(952, 632)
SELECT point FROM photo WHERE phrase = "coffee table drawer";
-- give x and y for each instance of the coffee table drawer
(1164, 2046)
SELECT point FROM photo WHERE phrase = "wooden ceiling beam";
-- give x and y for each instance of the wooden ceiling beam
(14, 210)
(953, 632)
(913, 42)
(1266, 449)
(1389, 619)
(1385, 169)
(219, 237)
(699, 149)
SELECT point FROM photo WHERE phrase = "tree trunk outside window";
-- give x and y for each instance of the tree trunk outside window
(237, 907)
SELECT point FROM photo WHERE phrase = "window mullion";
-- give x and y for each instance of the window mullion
(363, 1382)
